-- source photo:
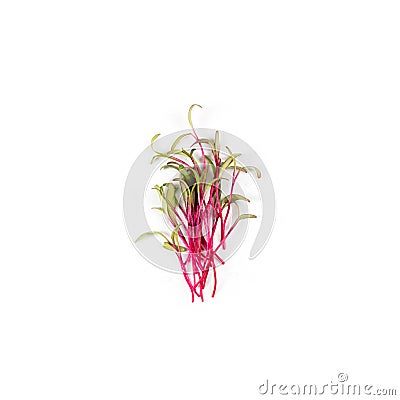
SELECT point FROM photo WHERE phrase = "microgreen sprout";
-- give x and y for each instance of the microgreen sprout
(197, 210)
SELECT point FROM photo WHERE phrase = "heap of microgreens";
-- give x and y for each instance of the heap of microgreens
(195, 206)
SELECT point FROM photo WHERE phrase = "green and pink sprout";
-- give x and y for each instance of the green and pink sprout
(197, 210)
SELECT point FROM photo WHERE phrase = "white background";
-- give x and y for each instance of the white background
(312, 85)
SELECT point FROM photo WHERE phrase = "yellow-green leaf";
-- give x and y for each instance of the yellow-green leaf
(155, 137)
(179, 249)
(151, 233)
(235, 197)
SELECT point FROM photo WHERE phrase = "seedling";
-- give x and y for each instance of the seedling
(197, 211)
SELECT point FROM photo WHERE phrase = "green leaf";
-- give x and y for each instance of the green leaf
(175, 236)
(216, 141)
(211, 163)
(209, 184)
(229, 151)
(203, 176)
(190, 113)
(170, 200)
(234, 157)
(169, 166)
(244, 216)
(225, 165)
(178, 249)
(157, 208)
(159, 191)
(170, 196)
(151, 233)
(189, 155)
(178, 139)
(196, 175)
(159, 155)
(228, 161)
(155, 137)
(208, 141)
(154, 158)
(242, 169)
(235, 197)
(183, 151)
(257, 171)
(162, 155)
(180, 152)
(188, 175)
(180, 180)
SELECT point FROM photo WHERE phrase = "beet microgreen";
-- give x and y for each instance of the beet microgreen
(195, 207)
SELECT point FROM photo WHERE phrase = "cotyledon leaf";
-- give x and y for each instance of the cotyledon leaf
(208, 141)
(179, 249)
(190, 113)
(175, 236)
(234, 159)
(171, 198)
(158, 209)
(152, 233)
(235, 197)
(166, 166)
(211, 163)
(178, 139)
(258, 172)
(240, 217)
(243, 169)
(216, 141)
(225, 165)
(155, 137)
(244, 216)
(209, 184)
(186, 190)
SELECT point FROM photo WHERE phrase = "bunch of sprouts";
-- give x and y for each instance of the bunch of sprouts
(198, 212)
